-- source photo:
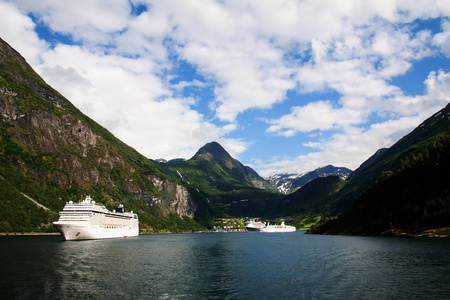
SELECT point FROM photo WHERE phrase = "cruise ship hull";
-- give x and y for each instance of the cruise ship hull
(81, 231)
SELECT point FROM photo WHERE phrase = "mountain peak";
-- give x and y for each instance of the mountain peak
(289, 182)
(212, 150)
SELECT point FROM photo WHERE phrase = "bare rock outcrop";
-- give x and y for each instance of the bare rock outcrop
(181, 203)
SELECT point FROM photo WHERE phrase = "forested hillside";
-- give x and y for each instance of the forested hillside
(410, 200)
(420, 139)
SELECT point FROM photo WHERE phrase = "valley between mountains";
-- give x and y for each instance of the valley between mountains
(52, 153)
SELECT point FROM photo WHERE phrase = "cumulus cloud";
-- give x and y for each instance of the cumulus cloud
(350, 145)
(86, 21)
(18, 30)
(438, 85)
(122, 69)
(318, 115)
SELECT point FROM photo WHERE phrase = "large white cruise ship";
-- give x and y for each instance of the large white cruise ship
(88, 220)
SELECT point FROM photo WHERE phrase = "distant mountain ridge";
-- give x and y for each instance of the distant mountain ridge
(289, 182)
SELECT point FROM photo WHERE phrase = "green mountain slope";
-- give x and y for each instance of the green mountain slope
(413, 199)
(409, 189)
(52, 153)
(311, 199)
(418, 140)
(230, 187)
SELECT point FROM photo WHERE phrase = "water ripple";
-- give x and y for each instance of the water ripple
(225, 266)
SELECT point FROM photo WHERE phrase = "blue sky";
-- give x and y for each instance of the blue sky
(284, 86)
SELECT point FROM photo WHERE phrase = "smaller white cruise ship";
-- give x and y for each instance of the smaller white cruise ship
(259, 226)
(278, 228)
(88, 220)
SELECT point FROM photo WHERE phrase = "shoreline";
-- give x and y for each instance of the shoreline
(28, 233)
(433, 233)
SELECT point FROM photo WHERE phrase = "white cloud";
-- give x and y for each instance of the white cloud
(442, 39)
(316, 145)
(248, 75)
(438, 87)
(348, 148)
(180, 86)
(350, 145)
(84, 20)
(18, 30)
(318, 115)
(252, 54)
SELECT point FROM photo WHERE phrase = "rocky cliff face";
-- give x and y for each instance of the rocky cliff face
(180, 201)
(59, 149)
(64, 142)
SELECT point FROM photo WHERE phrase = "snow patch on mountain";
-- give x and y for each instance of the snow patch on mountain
(287, 183)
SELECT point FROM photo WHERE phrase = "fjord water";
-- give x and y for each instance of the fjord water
(225, 266)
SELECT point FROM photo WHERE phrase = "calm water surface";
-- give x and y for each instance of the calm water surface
(225, 266)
